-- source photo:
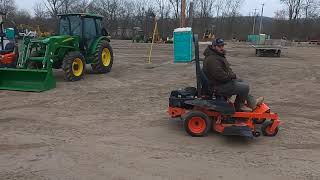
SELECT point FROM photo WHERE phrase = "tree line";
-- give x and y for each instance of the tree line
(298, 20)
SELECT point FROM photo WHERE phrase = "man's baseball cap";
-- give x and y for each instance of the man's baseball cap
(218, 42)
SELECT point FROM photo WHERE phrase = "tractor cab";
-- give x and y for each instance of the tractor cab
(87, 26)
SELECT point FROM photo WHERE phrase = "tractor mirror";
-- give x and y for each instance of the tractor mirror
(104, 32)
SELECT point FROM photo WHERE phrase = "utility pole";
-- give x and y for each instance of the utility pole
(183, 13)
(254, 21)
(261, 19)
(191, 14)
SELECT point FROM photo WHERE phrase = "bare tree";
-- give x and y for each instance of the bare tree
(205, 7)
(8, 7)
(22, 17)
(294, 8)
(110, 9)
(40, 10)
(176, 6)
(82, 6)
(310, 8)
(280, 15)
(163, 8)
(66, 6)
(54, 6)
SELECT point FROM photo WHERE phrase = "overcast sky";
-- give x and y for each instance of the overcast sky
(249, 5)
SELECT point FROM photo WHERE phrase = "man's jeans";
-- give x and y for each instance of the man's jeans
(239, 88)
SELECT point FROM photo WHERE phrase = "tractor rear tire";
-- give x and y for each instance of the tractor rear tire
(103, 58)
(73, 66)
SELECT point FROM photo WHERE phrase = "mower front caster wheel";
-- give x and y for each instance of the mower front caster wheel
(266, 129)
(196, 124)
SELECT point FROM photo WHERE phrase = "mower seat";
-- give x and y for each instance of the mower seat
(207, 88)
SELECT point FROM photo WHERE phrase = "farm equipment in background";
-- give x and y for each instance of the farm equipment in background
(208, 36)
(42, 33)
(263, 46)
(150, 32)
(140, 37)
(268, 50)
(81, 41)
(9, 50)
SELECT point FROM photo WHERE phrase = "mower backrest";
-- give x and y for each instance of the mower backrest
(206, 88)
(9, 47)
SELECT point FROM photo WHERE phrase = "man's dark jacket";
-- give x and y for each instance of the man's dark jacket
(217, 68)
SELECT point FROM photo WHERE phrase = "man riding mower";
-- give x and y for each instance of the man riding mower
(205, 107)
(220, 75)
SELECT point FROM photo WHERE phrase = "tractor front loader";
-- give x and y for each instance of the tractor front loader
(81, 41)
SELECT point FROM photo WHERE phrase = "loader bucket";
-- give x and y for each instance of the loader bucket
(26, 80)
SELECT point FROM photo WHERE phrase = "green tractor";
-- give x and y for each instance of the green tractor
(81, 40)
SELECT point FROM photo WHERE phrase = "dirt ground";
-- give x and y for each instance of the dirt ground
(115, 126)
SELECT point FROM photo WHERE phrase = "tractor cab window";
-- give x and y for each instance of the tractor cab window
(64, 28)
(89, 29)
(99, 26)
(75, 25)
(70, 26)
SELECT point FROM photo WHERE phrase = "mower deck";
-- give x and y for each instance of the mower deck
(237, 124)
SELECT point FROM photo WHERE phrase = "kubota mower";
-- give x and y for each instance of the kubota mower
(203, 109)
(9, 51)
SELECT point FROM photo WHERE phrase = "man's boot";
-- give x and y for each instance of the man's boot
(259, 101)
(244, 108)
(254, 103)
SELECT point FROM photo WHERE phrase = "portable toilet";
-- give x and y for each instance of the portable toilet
(10, 33)
(183, 45)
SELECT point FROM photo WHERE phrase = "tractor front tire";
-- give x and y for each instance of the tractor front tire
(103, 58)
(73, 66)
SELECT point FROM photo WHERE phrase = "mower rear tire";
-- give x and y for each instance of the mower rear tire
(197, 124)
(103, 58)
(73, 66)
(266, 129)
